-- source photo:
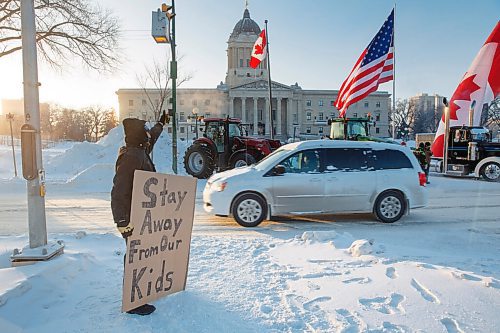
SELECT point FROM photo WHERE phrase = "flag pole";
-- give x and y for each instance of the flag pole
(271, 125)
(394, 73)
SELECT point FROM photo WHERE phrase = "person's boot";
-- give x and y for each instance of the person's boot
(143, 310)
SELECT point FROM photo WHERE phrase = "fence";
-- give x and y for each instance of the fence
(6, 141)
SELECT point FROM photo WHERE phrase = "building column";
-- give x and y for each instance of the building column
(289, 118)
(255, 117)
(231, 107)
(278, 116)
(266, 118)
(243, 110)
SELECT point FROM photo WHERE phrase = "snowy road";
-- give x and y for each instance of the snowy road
(435, 270)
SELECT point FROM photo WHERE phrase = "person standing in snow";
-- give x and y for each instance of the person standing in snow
(139, 142)
(428, 156)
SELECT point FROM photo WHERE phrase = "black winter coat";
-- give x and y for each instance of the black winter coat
(130, 159)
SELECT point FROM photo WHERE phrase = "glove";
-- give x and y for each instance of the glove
(125, 228)
(164, 119)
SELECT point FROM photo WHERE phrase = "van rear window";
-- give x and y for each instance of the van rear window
(390, 159)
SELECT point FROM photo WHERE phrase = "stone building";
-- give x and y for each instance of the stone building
(430, 107)
(296, 112)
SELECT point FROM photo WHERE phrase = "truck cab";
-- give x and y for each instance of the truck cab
(470, 150)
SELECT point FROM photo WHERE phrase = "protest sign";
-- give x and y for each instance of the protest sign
(162, 213)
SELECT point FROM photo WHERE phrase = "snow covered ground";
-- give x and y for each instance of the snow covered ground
(437, 270)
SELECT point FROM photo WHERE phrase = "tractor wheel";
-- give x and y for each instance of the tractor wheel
(242, 159)
(491, 171)
(198, 161)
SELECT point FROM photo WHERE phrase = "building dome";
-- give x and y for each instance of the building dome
(245, 25)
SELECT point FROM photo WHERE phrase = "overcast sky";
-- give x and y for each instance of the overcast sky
(314, 43)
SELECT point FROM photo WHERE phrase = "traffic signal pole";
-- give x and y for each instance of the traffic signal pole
(173, 76)
(35, 187)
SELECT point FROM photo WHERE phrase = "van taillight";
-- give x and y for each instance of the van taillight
(422, 179)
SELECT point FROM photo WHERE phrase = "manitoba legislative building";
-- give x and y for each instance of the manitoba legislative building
(297, 113)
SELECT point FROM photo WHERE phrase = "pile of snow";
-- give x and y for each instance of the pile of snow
(90, 166)
(360, 247)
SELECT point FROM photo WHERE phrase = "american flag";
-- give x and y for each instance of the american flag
(374, 66)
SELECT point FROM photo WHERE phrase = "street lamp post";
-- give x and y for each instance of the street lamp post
(10, 118)
(195, 115)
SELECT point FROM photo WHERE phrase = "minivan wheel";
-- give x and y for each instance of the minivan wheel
(249, 210)
(390, 206)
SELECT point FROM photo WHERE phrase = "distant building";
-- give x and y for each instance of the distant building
(431, 106)
(244, 94)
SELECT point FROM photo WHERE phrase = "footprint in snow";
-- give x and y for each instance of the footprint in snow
(387, 305)
(312, 305)
(464, 276)
(425, 292)
(451, 325)
(390, 272)
(350, 323)
(359, 280)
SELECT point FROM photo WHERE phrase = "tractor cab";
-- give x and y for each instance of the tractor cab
(349, 128)
(216, 129)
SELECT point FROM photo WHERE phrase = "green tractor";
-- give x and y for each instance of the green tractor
(353, 129)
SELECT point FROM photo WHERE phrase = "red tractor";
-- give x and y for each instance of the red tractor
(223, 146)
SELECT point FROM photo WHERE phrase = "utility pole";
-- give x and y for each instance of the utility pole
(10, 118)
(173, 76)
(35, 186)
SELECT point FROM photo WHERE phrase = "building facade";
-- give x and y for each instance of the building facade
(429, 106)
(296, 112)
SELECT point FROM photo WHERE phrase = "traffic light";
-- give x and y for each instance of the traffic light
(160, 25)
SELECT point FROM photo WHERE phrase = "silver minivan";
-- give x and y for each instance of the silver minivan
(321, 177)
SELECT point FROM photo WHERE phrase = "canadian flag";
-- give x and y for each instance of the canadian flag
(259, 50)
(481, 83)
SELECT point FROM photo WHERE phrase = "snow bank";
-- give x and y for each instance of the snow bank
(66, 162)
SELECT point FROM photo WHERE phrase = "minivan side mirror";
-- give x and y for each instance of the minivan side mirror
(279, 169)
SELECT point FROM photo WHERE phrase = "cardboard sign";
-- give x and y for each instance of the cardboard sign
(162, 213)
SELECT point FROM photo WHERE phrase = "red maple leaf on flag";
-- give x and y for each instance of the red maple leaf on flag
(462, 93)
(259, 48)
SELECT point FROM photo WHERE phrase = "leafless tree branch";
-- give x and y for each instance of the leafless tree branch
(65, 29)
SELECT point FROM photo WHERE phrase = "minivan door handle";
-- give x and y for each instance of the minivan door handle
(315, 180)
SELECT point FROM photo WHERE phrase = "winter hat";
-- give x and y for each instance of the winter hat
(135, 131)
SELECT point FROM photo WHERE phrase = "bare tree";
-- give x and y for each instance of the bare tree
(94, 117)
(110, 121)
(64, 29)
(403, 117)
(157, 77)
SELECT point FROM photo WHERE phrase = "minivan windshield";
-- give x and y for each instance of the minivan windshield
(272, 159)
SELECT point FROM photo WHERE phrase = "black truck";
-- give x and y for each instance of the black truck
(471, 150)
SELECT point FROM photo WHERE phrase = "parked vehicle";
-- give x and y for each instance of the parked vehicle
(223, 146)
(471, 150)
(321, 176)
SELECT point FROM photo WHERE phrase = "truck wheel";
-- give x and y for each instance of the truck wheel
(491, 171)
(198, 161)
(242, 159)
(390, 206)
(249, 210)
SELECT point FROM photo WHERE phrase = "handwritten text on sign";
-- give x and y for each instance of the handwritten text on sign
(157, 255)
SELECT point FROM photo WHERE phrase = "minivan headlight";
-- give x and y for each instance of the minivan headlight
(219, 186)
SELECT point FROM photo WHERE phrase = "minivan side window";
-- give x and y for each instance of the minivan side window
(347, 159)
(390, 159)
(307, 161)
